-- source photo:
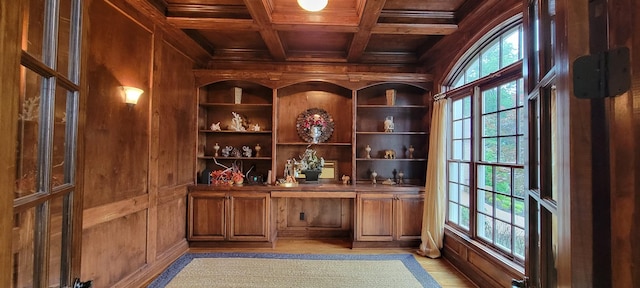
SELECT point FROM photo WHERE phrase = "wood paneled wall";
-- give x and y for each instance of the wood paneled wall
(625, 139)
(137, 161)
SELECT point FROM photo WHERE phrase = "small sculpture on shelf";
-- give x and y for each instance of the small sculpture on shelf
(388, 124)
(237, 123)
(389, 154)
(215, 149)
(368, 152)
(215, 126)
(246, 151)
(345, 179)
(255, 127)
(226, 151)
(257, 149)
(411, 149)
(400, 177)
(374, 174)
(388, 181)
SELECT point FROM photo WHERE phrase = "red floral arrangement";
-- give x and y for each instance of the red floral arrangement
(227, 176)
(314, 120)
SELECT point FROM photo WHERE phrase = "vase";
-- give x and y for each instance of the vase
(315, 132)
(311, 175)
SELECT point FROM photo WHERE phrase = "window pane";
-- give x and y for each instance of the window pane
(464, 195)
(503, 180)
(503, 235)
(485, 177)
(511, 47)
(457, 129)
(485, 202)
(518, 183)
(466, 106)
(518, 210)
(23, 248)
(64, 28)
(508, 150)
(459, 82)
(522, 120)
(453, 213)
(28, 135)
(485, 227)
(453, 171)
(454, 192)
(464, 173)
(473, 71)
(503, 208)
(508, 122)
(490, 150)
(490, 59)
(508, 93)
(464, 217)
(466, 128)
(33, 35)
(457, 109)
(518, 248)
(60, 137)
(457, 150)
(490, 125)
(489, 100)
(467, 150)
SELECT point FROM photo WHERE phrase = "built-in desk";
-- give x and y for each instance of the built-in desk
(369, 215)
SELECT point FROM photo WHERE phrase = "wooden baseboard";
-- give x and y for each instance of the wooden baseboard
(385, 244)
(145, 274)
(230, 244)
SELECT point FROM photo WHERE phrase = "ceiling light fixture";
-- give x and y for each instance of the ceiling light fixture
(313, 5)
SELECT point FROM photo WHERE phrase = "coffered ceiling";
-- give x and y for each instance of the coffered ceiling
(391, 32)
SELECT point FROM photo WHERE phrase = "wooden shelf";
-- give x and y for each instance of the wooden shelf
(231, 105)
(233, 158)
(397, 159)
(392, 133)
(235, 132)
(313, 144)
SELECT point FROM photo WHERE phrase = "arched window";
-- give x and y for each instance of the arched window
(485, 147)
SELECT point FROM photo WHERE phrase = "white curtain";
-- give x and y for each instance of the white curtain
(435, 188)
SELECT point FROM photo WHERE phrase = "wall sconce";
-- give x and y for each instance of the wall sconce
(131, 95)
(313, 5)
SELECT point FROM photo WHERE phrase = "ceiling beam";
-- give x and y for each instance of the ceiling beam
(414, 29)
(213, 23)
(260, 12)
(370, 14)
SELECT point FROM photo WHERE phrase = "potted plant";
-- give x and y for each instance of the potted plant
(310, 165)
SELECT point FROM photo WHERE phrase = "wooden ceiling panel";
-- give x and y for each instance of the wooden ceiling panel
(370, 32)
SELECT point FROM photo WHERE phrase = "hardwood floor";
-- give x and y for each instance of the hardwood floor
(441, 270)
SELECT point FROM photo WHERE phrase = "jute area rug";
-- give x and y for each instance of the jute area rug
(294, 270)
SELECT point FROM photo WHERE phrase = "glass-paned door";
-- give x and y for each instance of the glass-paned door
(542, 195)
(46, 144)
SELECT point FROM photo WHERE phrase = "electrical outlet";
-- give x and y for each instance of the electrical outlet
(301, 215)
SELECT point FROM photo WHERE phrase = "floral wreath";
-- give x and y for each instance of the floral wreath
(314, 117)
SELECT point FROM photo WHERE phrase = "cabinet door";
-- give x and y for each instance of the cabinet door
(375, 217)
(207, 216)
(249, 216)
(409, 216)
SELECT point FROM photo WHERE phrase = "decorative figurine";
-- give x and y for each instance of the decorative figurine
(345, 179)
(389, 154)
(257, 149)
(373, 177)
(237, 122)
(368, 150)
(226, 151)
(411, 149)
(400, 177)
(255, 127)
(388, 124)
(215, 126)
(246, 151)
(216, 148)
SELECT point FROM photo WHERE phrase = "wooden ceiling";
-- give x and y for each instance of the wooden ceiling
(391, 32)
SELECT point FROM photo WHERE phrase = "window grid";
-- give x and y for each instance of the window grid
(458, 184)
(500, 173)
